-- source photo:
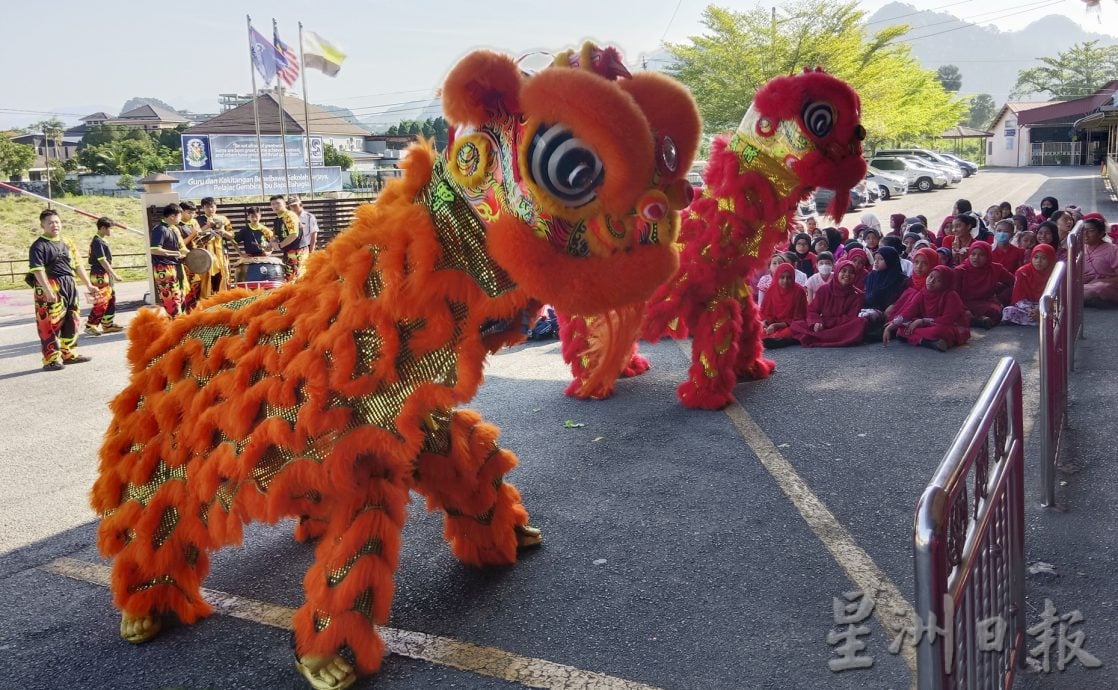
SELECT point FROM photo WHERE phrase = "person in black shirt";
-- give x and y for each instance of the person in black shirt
(104, 278)
(51, 274)
(254, 239)
(167, 252)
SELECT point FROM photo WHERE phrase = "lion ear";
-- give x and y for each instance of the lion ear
(482, 84)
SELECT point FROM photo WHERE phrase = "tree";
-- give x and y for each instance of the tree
(442, 134)
(982, 111)
(15, 159)
(1077, 72)
(740, 52)
(414, 128)
(332, 156)
(950, 77)
(393, 131)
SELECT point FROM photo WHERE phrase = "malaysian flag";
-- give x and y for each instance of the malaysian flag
(287, 62)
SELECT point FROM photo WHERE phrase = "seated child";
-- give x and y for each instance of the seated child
(784, 303)
(804, 260)
(923, 261)
(1005, 252)
(861, 261)
(255, 238)
(825, 265)
(832, 317)
(936, 318)
(984, 286)
(766, 280)
(1028, 286)
(883, 286)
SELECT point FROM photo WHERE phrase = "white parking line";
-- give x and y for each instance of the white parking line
(893, 611)
(444, 651)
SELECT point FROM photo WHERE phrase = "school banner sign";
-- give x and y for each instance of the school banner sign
(194, 184)
(238, 151)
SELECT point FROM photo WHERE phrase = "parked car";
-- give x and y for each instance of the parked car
(887, 185)
(695, 175)
(918, 176)
(929, 159)
(823, 197)
(968, 167)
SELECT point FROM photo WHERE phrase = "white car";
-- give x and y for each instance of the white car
(919, 177)
(889, 185)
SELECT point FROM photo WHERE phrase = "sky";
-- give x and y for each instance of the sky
(95, 56)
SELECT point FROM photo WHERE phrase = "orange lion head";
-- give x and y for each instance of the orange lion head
(577, 171)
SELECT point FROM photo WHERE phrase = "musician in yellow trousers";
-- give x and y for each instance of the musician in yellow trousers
(219, 229)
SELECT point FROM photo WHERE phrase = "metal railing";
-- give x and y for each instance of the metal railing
(15, 269)
(969, 551)
(1074, 283)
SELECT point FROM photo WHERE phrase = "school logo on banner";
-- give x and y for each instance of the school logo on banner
(196, 152)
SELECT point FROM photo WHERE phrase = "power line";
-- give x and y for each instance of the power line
(976, 26)
(670, 21)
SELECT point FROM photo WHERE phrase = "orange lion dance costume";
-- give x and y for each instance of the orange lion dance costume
(330, 398)
(800, 132)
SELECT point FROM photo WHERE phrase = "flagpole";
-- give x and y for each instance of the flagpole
(255, 109)
(283, 121)
(306, 109)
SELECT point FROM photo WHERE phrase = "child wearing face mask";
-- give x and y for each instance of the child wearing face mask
(824, 267)
(1005, 252)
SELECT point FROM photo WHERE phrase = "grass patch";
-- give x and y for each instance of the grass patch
(19, 226)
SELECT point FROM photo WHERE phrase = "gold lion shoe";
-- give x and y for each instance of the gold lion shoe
(326, 673)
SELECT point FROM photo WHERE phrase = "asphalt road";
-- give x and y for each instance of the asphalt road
(671, 557)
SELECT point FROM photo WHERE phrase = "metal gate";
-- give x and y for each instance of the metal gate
(1056, 153)
(968, 543)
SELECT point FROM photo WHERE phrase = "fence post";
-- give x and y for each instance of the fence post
(1055, 335)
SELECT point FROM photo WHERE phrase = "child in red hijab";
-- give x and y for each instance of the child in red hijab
(832, 317)
(923, 261)
(984, 286)
(1028, 286)
(936, 318)
(861, 265)
(785, 303)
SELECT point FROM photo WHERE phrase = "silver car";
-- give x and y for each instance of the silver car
(888, 185)
(918, 176)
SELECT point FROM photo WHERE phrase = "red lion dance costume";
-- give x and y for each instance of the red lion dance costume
(801, 132)
(330, 398)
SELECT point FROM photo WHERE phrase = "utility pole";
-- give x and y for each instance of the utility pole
(774, 32)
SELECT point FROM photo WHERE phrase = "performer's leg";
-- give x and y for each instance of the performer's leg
(99, 310)
(71, 321)
(168, 287)
(714, 352)
(349, 587)
(751, 362)
(461, 472)
(108, 321)
(159, 561)
(48, 322)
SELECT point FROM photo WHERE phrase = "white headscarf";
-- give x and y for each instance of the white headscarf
(872, 221)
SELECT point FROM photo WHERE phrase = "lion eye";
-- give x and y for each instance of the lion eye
(565, 165)
(819, 118)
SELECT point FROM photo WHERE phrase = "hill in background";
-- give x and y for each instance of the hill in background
(989, 59)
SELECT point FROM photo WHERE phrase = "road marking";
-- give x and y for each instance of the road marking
(445, 651)
(892, 610)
